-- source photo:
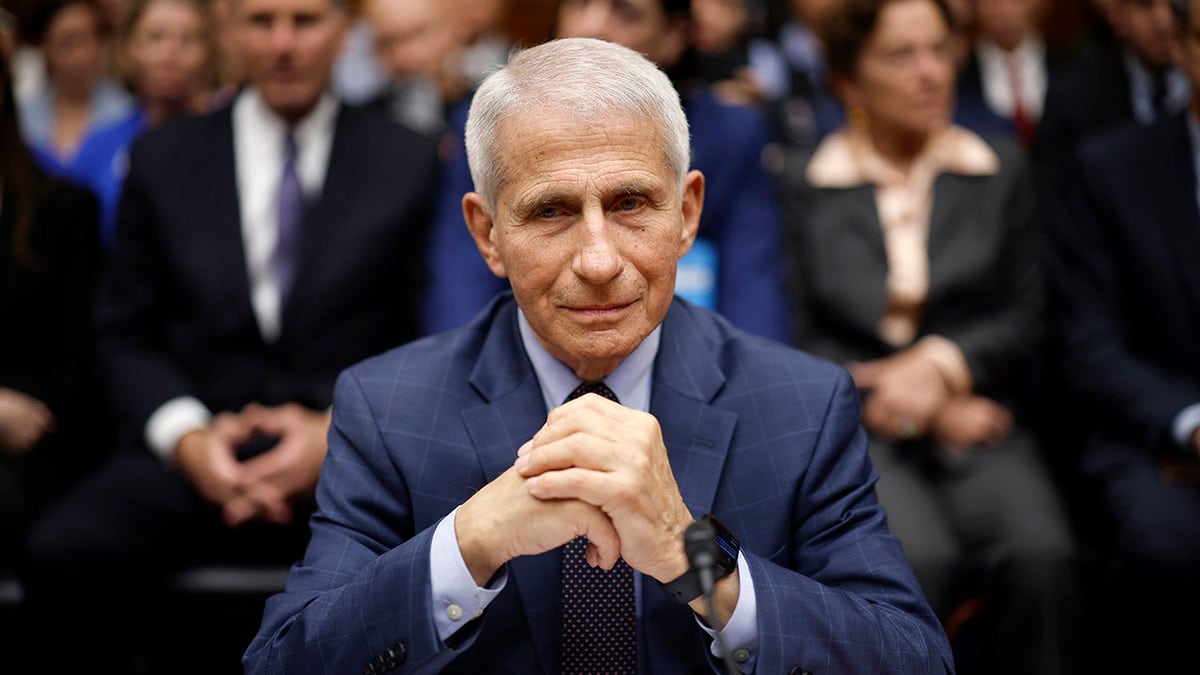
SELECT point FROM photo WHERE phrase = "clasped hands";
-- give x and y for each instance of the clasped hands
(595, 469)
(908, 397)
(262, 487)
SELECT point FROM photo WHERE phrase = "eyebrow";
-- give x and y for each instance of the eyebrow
(556, 196)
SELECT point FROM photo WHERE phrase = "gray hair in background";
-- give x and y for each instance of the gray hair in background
(589, 78)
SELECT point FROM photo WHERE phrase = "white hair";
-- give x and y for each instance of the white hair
(592, 79)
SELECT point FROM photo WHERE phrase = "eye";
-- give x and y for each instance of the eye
(548, 212)
(629, 203)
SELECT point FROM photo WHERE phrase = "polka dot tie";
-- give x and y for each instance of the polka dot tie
(599, 617)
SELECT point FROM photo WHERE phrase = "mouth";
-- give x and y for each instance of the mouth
(599, 312)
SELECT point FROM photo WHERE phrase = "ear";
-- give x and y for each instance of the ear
(482, 226)
(693, 204)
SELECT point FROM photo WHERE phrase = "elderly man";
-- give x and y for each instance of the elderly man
(450, 504)
(736, 264)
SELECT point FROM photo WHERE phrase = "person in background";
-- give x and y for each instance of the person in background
(1127, 326)
(358, 76)
(169, 58)
(260, 249)
(1130, 79)
(481, 44)
(1007, 73)
(735, 265)
(51, 413)
(742, 69)
(414, 41)
(446, 537)
(78, 97)
(809, 110)
(916, 263)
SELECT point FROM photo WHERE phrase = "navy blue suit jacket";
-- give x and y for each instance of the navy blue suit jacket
(174, 311)
(741, 218)
(1128, 286)
(763, 436)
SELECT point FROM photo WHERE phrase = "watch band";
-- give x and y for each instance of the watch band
(687, 587)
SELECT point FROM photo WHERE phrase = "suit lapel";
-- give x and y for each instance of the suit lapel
(216, 179)
(952, 202)
(513, 413)
(697, 435)
(325, 214)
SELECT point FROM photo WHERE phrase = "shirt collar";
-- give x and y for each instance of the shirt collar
(319, 120)
(847, 159)
(1029, 51)
(630, 381)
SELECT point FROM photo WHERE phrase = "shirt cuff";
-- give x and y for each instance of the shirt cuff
(950, 362)
(1186, 423)
(456, 599)
(741, 633)
(172, 421)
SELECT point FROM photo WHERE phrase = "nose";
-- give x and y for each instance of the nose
(932, 66)
(598, 260)
(283, 35)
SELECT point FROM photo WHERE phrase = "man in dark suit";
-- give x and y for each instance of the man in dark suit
(1131, 78)
(458, 480)
(260, 250)
(1129, 322)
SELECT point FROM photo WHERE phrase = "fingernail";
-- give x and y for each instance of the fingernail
(525, 448)
(522, 462)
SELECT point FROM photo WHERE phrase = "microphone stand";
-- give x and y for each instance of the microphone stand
(700, 545)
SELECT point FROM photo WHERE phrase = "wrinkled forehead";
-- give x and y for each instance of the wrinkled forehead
(535, 138)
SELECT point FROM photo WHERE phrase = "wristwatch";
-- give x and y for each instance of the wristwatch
(687, 587)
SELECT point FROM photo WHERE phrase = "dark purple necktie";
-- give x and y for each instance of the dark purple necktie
(599, 627)
(291, 209)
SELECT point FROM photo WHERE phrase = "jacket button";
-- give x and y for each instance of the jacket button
(401, 652)
(369, 669)
(797, 671)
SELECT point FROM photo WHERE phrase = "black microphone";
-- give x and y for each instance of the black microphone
(700, 546)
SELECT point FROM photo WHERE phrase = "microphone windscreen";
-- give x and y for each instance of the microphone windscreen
(700, 544)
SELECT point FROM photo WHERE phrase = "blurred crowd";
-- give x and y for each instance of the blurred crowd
(987, 210)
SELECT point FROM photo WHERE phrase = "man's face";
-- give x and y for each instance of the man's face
(588, 227)
(1145, 25)
(287, 48)
(641, 25)
(412, 37)
(1007, 22)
